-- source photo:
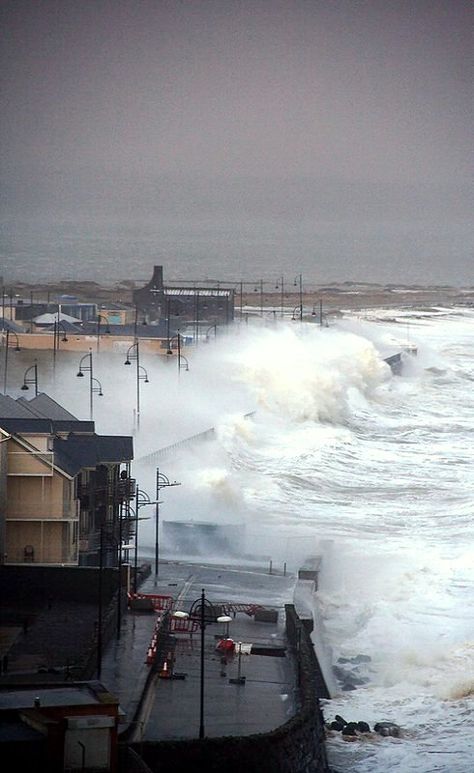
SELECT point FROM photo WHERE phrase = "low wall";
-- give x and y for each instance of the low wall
(32, 585)
(29, 590)
(295, 747)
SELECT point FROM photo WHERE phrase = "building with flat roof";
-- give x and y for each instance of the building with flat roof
(58, 727)
(201, 305)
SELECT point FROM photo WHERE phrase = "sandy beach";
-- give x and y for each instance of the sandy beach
(348, 295)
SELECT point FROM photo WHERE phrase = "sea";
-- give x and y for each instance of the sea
(375, 472)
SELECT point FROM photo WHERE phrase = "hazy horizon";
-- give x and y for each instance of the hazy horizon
(237, 139)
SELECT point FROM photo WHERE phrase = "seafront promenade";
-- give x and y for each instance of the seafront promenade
(202, 710)
(159, 708)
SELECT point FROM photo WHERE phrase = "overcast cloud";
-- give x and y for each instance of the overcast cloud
(321, 109)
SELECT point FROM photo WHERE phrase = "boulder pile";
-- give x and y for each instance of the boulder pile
(351, 730)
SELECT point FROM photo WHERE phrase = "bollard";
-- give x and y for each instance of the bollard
(270, 570)
(284, 569)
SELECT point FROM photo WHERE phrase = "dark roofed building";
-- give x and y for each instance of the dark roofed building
(86, 452)
(44, 406)
(198, 304)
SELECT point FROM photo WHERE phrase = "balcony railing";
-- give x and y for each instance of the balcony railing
(123, 491)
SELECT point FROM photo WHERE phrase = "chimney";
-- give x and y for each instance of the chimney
(157, 278)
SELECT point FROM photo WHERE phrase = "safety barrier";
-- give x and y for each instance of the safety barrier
(183, 625)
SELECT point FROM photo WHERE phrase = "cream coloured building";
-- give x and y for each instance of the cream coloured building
(61, 485)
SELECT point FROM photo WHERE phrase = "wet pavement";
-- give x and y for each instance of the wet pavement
(265, 699)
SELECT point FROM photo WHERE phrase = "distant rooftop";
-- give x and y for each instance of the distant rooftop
(40, 407)
(77, 694)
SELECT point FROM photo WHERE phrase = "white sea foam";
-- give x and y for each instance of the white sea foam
(383, 467)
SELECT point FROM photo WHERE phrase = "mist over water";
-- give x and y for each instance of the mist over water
(341, 457)
(233, 245)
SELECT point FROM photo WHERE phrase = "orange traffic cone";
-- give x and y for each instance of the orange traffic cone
(164, 673)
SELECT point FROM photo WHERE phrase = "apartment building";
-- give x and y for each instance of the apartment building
(64, 490)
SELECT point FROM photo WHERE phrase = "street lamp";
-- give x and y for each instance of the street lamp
(162, 481)
(177, 309)
(7, 346)
(57, 325)
(95, 387)
(225, 619)
(141, 499)
(300, 278)
(295, 314)
(203, 612)
(100, 317)
(133, 353)
(211, 327)
(280, 285)
(182, 360)
(31, 379)
(261, 296)
(197, 318)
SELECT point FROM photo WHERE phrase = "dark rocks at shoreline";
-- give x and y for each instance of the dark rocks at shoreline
(352, 730)
(387, 729)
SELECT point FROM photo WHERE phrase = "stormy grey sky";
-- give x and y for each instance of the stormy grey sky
(321, 111)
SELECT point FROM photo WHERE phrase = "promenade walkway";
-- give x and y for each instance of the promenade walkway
(171, 709)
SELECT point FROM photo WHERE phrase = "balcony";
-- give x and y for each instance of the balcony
(126, 490)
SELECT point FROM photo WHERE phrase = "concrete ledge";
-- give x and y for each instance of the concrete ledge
(270, 650)
(310, 570)
(266, 616)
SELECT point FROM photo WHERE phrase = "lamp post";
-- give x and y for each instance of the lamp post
(95, 387)
(261, 295)
(31, 379)
(100, 317)
(162, 481)
(300, 278)
(225, 619)
(295, 314)
(211, 327)
(7, 346)
(197, 317)
(133, 353)
(182, 360)
(141, 499)
(203, 612)
(177, 310)
(280, 285)
(181, 357)
(57, 325)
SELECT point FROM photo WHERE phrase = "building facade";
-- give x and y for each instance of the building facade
(199, 305)
(65, 490)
